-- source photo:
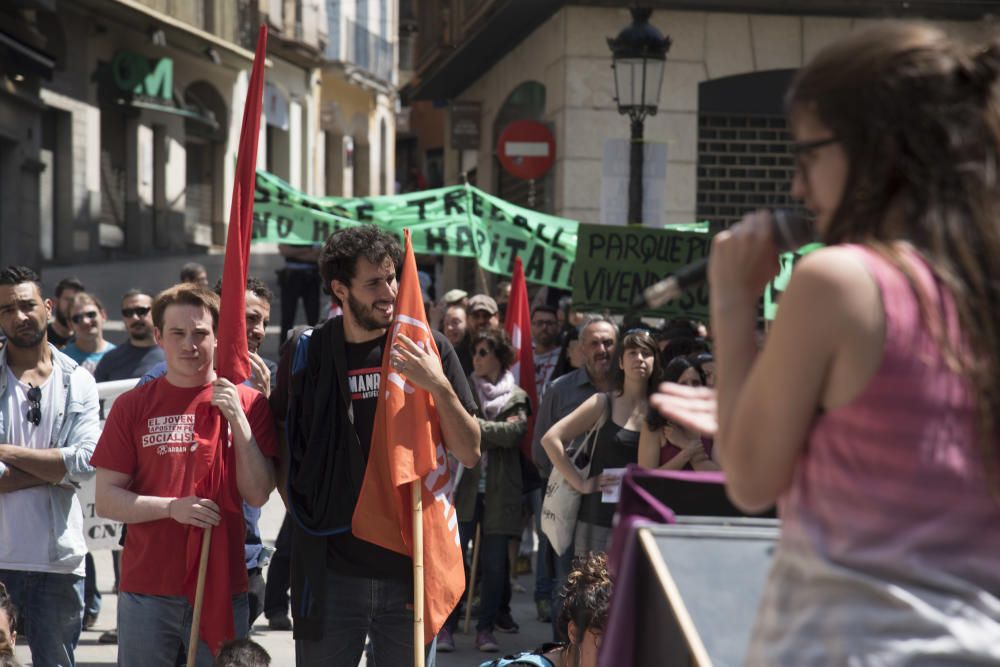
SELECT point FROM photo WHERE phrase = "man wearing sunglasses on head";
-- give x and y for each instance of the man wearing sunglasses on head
(140, 352)
(87, 319)
(48, 431)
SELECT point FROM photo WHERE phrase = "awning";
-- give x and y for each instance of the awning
(25, 59)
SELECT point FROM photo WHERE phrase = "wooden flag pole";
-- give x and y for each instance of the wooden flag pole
(472, 580)
(199, 593)
(418, 574)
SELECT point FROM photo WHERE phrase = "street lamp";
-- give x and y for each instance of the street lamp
(638, 57)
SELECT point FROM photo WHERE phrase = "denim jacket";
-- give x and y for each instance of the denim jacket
(75, 431)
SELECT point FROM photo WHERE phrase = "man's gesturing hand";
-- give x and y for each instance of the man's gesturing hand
(194, 511)
(421, 367)
(261, 379)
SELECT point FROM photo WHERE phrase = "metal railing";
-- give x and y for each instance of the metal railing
(369, 51)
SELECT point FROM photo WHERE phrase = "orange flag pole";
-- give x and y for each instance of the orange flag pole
(199, 592)
(418, 574)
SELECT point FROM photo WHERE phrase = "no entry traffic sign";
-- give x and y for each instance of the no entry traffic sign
(526, 149)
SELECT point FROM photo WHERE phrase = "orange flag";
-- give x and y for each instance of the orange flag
(407, 446)
(517, 324)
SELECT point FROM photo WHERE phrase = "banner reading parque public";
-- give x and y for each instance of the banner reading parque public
(461, 221)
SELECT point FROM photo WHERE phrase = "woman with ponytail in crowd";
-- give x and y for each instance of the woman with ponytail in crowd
(870, 414)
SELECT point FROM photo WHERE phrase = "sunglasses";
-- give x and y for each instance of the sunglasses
(482, 352)
(140, 311)
(34, 405)
(80, 317)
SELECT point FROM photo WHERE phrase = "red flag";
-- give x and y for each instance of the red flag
(407, 446)
(215, 467)
(232, 360)
(517, 324)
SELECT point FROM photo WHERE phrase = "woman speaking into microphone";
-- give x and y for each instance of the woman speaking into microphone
(872, 413)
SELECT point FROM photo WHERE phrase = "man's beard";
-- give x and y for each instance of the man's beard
(62, 319)
(26, 343)
(363, 314)
(140, 334)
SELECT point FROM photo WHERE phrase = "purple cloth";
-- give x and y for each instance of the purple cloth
(688, 493)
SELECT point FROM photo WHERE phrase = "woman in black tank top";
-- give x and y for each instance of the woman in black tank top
(620, 413)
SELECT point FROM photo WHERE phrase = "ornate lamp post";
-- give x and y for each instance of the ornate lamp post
(638, 56)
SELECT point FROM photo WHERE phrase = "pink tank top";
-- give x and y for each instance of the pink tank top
(897, 477)
(890, 536)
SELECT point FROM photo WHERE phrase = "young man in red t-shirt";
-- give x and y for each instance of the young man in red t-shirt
(155, 436)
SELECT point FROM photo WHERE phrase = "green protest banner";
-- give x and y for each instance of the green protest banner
(615, 264)
(460, 221)
(775, 288)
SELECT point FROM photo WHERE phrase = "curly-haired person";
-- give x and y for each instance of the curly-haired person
(583, 617)
(8, 622)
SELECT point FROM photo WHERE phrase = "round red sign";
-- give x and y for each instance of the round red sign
(526, 149)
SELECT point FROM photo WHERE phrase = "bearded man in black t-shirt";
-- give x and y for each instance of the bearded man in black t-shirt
(344, 588)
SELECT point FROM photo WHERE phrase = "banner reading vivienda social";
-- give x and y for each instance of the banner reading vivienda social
(615, 264)
(777, 287)
(461, 221)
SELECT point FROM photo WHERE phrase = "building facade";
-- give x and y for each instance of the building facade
(120, 119)
(720, 111)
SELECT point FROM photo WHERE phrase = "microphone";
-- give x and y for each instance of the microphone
(790, 231)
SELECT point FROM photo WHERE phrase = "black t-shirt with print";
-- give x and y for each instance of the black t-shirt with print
(348, 554)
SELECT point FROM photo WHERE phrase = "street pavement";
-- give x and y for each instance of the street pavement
(279, 644)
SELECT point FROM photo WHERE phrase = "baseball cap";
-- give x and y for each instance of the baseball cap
(483, 302)
(454, 296)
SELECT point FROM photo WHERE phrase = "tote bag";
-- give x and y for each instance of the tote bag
(562, 501)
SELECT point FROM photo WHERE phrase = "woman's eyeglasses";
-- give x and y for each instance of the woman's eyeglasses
(34, 405)
(80, 317)
(140, 311)
(800, 149)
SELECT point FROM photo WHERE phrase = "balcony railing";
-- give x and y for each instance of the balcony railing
(369, 51)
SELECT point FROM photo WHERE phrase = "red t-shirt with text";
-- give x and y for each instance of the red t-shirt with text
(149, 436)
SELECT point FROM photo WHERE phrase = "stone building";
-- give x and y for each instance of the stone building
(120, 119)
(720, 111)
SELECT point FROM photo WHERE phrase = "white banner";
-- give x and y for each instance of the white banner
(102, 533)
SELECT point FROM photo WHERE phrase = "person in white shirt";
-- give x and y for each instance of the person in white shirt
(48, 431)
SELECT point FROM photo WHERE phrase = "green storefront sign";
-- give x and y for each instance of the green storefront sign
(137, 74)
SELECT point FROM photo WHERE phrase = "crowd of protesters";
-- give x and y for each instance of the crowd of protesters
(583, 368)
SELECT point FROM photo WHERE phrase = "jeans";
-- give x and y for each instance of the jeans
(545, 556)
(153, 629)
(590, 537)
(52, 608)
(255, 595)
(466, 534)
(91, 596)
(279, 573)
(382, 609)
(562, 567)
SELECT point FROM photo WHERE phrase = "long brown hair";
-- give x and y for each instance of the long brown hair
(918, 116)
